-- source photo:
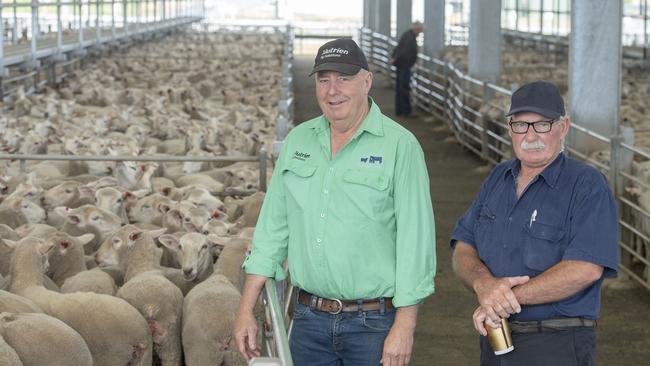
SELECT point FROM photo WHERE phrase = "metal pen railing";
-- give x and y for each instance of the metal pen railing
(474, 109)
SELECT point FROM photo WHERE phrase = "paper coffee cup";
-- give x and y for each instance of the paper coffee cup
(500, 338)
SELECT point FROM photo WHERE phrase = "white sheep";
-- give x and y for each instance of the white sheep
(13, 303)
(208, 319)
(89, 219)
(39, 339)
(157, 299)
(114, 331)
(8, 356)
(195, 252)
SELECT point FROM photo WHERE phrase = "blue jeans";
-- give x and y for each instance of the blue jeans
(346, 339)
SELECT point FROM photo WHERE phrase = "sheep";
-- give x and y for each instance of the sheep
(251, 207)
(218, 227)
(149, 209)
(230, 261)
(195, 253)
(89, 219)
(69, 194)
(115, 201)
(200, 180)
(8, 356)
(5, 252)
(200, 197)
(114, 331)
(208, 319)
(157, 299)
(67, 258)
(39, 339)
(68, 268)
(21, 211)
(13, 303)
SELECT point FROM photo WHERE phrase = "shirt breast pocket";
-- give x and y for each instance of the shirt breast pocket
(542, 245)
(368, 191)
(296, 176)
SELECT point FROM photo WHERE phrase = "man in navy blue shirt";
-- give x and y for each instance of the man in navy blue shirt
(538, 240)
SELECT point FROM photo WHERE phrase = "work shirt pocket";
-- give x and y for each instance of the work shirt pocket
(297, 177)
(542, 245)
(368, 191)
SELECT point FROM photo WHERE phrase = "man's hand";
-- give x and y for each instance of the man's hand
(481, 319)
(245, 330)
(391, 61)
(245, 334)
(496, 296)
(398, 345)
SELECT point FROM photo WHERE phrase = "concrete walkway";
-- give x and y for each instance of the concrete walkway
(445, 335)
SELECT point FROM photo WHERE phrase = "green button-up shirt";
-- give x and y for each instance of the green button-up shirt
(357, 226)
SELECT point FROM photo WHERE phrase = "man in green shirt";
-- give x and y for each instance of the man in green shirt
(349, 208)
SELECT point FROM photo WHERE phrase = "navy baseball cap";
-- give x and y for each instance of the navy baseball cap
(540, 97)
(341, 55)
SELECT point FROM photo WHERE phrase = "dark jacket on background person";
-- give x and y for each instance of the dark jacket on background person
(406, 52)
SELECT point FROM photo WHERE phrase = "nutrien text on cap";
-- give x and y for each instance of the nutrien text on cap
(341, 55)
(540, 97)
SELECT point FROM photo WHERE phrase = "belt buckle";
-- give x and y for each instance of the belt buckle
(340, 307)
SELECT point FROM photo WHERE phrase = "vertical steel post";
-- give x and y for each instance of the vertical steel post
(98, 31)
(34, 28)
(59, 28)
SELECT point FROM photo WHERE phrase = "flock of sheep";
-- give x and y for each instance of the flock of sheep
(127, 263)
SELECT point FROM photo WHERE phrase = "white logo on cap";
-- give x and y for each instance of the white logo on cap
(334, 52)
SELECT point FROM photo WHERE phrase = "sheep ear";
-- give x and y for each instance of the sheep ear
(158, 232)
(85, 238)
(134, 236)
(170, 241)
(10, 243)
(163, 207)
(86, 191)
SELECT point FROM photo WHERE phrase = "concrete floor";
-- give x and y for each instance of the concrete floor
(445, 335)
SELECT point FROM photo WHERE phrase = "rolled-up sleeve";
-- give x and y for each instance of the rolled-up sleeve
(271, 232)
(416, 239)
(464, 230)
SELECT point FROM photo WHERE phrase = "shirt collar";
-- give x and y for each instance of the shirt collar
(371, 123)
(550, 173)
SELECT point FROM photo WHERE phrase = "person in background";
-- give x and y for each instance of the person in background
(403, 58)
(349, 208)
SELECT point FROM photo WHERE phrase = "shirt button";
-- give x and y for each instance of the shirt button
(509, 218)
(319, 240)
(325, 191)
(322, 215)
(331, 169)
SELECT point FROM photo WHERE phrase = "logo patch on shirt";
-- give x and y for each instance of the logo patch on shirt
(372, 159)
(301, 155)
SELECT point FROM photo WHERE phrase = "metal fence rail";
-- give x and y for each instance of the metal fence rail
(474, 110)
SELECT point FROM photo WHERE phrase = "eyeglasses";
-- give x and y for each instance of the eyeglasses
(521, 127)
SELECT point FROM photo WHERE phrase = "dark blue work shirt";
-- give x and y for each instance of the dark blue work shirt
(566, 213)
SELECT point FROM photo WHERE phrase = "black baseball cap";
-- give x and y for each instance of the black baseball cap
(541, 97)
(342, 55)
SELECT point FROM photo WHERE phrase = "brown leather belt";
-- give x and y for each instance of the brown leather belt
(550, 325)
(335, 306)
